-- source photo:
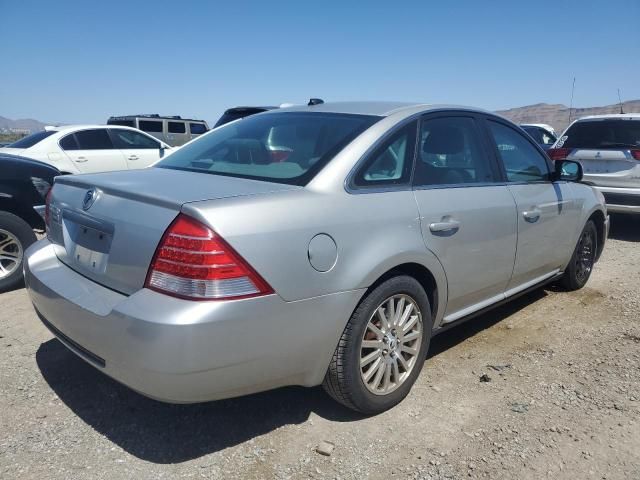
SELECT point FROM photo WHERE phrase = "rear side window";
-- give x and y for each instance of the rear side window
(450, 153)
(69, 143)
(197, 128)
(94, 140)
(522, 161)
(150, 125)
(287, 147)
(176, 127)
(391, 163)
(31, 140)
(602, 134)
(129, 139)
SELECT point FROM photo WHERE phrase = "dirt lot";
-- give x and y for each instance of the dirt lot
(563, 401)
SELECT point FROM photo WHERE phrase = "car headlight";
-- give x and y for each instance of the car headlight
(41, 185)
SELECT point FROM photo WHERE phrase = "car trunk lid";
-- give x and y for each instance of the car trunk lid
(107, 226)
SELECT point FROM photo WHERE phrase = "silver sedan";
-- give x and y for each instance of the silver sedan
(323, 244)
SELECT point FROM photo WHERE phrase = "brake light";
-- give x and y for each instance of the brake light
(194, 262)
(635, 154)
(558, 153)
(280, 155)
(47, 208)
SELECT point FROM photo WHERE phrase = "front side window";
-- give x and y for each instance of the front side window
(129, 139)
(31, 140)
(522, 161)
(176, 127)
(94, 140)
(150, 126)
(390, 164)
(286, 147)
(197, 128)
(450, 153)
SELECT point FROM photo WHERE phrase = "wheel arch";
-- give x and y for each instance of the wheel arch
(599, 220)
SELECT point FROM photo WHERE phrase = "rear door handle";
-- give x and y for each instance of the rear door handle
(133, 157)
(532, 216)
(81, 159)
(445, 226)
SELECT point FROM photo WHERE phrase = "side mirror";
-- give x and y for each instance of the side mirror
(568, 171)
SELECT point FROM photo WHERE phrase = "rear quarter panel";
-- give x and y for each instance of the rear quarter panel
(374, 233)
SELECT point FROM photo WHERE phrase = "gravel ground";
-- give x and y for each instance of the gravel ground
(560, 399)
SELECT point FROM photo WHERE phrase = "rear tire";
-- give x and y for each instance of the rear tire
(375, 363)
(16, 236)
(583, 259)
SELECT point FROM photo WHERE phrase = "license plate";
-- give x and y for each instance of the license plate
(87, 247)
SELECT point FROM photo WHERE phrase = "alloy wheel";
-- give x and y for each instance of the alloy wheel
(10, 253)
(390, 344)
(585, 256)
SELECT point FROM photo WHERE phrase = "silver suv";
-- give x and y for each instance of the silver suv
(608, 147)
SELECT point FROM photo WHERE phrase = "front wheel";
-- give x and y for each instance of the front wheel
(382, 348)
(583, 259)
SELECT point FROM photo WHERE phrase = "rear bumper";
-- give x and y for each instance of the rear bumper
(184, 351)
(621, 200)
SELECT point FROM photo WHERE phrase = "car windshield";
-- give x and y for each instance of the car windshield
(31, 140)
(603, 134)
(286, 147)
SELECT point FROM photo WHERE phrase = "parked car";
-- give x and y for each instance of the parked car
(224, 271)
(24, 185)
(90, 148)
(173, 130)
(608, 147)
(543, 134)
(240, 112)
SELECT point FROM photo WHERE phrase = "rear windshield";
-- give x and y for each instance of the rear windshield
(603, 134)
(279, 147)
(31, 140)
(123, 123)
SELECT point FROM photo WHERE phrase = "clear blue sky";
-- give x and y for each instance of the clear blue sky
(81, 61)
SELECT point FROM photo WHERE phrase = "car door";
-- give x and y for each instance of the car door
(138, 149)
(467, 214)
(92, 151)
(546, 211)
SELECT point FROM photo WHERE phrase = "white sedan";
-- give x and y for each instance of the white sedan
(90, 148)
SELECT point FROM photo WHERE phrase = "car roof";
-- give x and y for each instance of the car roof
(17, 158)
(611, 116)
(381, 109)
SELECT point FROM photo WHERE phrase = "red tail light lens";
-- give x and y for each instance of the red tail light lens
(635, 154)
(558, 153)
(194, 262)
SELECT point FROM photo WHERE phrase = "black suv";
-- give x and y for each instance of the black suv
(24, 185)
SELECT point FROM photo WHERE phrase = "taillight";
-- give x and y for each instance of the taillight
(280, 155)
(558, 153)
(47, 208)
(635, 154)
(194, 262)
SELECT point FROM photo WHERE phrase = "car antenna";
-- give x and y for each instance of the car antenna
(620, 102)
(315, 101)
(573, 87)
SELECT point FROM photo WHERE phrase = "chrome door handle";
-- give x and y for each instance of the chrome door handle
(532, 216)
(133, 157)
(446, 226)
(81, 159)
